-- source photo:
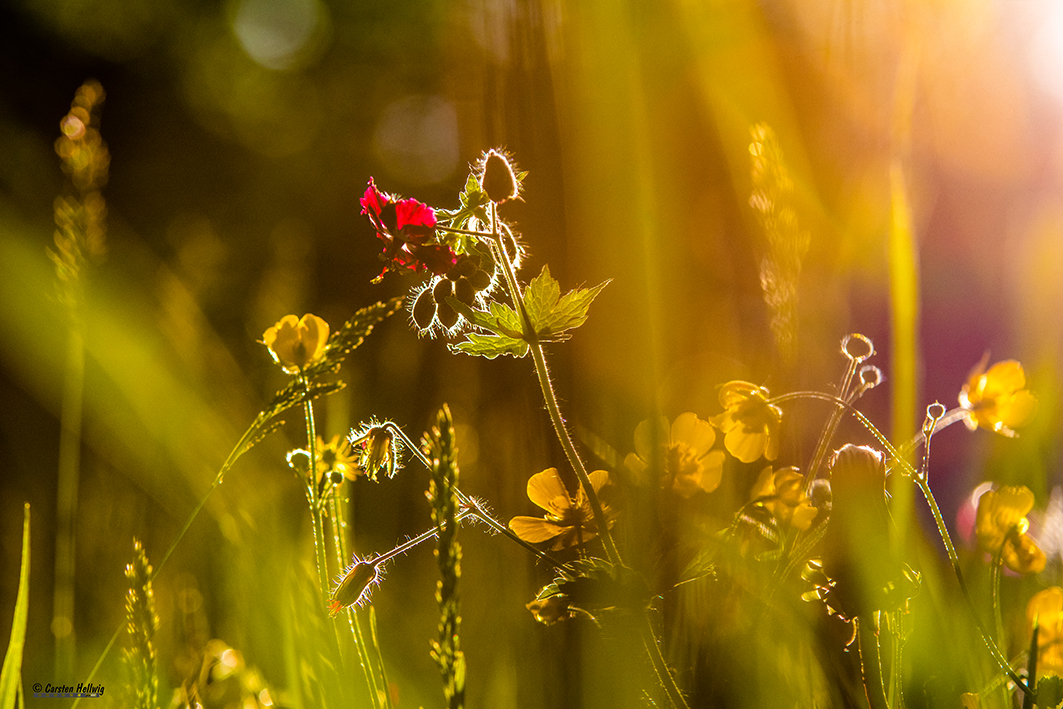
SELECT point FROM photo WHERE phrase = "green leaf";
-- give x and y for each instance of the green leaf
(491, 346)
(551, 313)
(1049, 692)
(593, 585)
(11, 674)
(502, 320)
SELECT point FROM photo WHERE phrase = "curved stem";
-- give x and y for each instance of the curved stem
(664, 675)
(922, 481)
(475, 507)
(340, 543)
(558, 421)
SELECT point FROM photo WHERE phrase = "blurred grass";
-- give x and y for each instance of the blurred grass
(233, 206)
(11, 672)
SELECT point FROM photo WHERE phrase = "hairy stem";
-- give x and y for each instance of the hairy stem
(558, 421)
(924, 486)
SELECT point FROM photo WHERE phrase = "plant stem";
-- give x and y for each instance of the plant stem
(66, 502)
(340, 544)
(550, 397)
(312, 495)
(922, 481)
(234, 454)
(475, 508)
(664, 675)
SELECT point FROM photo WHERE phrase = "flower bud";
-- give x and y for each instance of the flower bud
(498, 180)
(353, 588)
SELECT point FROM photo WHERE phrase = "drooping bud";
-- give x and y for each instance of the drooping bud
(498, 180)
(353, 588)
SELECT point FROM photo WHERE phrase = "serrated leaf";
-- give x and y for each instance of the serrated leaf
(502, 320)
(11, 674)
(1049, 691)
(594, 584)
(540, 297)
(491, 346)
(551, 313)
(570, 312)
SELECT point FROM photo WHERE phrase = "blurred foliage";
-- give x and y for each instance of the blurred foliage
(240, 137)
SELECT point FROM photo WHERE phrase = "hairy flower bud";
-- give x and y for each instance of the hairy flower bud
(353, 588)
(498, 181)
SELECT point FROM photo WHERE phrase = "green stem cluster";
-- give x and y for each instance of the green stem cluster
(375, 674)
(898, 460)
(542, 371)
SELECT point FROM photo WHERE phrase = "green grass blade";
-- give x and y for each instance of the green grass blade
(11, 675)
(904, 307)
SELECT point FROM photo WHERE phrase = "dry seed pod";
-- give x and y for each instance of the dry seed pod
(479, 280)
(464, 291)
(448, 318)
(423, 310)
(443, 290)
(464, 267)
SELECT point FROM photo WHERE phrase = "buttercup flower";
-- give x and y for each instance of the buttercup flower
(407, 228)
(782, 493)
(683, 450)
(568, 520)
(294, 343)
(1001, 526)
(998, 399)
(1046, 609)
(336, 457)
(749, 422)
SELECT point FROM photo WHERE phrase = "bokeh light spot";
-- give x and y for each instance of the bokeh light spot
(275, 33)
(1046, 51)
(417, 139)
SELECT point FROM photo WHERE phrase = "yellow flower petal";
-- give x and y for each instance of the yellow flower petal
(697, 434)
(649, 435)
(1000, 511)
(535, 529)
(1022, 555)
(547, 491)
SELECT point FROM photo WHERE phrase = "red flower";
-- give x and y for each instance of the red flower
(408, 229)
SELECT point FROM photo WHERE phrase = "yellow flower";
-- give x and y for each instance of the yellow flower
(749, 422)
(295, 343)
(682, 450)
(998, 399)
(568, 520)
(336, 457)
(1001, 525)
(782, 493)
(378, 448)
(1046, 609)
